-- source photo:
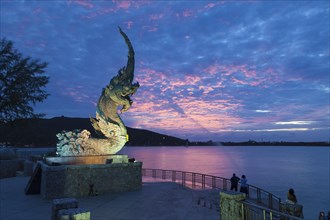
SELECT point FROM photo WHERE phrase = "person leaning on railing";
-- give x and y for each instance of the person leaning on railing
(291, 206)
(244, 187)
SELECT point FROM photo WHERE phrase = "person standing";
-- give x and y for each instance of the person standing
(244, 186)
(291, 197)
(234, 182)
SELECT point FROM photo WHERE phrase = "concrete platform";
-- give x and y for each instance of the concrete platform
(156, 200)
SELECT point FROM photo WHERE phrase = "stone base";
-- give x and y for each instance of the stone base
(60, 180)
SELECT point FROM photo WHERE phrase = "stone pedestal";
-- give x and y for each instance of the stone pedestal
(231, 205)
(64, 177)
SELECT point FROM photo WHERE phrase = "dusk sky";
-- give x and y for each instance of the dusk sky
(208, 70)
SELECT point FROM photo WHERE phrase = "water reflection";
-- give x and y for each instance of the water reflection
(205, 160)
(276, 169)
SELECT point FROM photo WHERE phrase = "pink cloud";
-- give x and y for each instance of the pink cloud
(122, 4)
(213, 69)
(243, 74)
(192, 79)
(156, 16)
(78, 94)
(188, 80)
(150, 28)
(37, 10)
(150, 77)
(213, 4)
(206, 89)
(237, 81)
(129, 24)
(187, 13)
(116, 6)
(85, 3)
(90, 16)
(210, 5)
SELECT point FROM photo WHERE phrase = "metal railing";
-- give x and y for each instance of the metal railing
(254, 211)
(204, 181)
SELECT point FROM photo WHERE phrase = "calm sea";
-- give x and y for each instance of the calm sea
(275, 169)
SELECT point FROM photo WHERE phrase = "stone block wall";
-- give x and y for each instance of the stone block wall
(9, 164)
(8, 168)
(89, 179)
(67, 208)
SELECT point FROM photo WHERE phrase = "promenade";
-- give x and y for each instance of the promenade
(156, 200)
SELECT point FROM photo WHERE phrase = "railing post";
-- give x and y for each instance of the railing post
(224, 184)
(183, 178)
(213, 183)
(193, 179)
(173, 176)
(163, 174)
(203, 181)
(264, 214)
(279, 203)
(258, 195)
(153, 173)
(243, 213)
(270, 197)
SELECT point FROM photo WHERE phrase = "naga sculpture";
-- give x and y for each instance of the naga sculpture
(107, 123)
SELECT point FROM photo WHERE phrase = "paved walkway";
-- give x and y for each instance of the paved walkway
(156, 200)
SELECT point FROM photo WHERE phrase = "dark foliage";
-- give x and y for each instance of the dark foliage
(21, 83)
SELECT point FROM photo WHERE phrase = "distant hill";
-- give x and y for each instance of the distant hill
(42, 132)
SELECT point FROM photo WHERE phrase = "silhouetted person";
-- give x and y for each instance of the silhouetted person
(234, 182)
(244, 186)
(291, 197)
(322, 216)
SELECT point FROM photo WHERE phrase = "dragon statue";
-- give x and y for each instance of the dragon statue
(107, 123)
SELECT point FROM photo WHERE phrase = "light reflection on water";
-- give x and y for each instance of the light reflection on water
(275, 169)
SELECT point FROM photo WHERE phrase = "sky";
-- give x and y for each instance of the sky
(208, 70)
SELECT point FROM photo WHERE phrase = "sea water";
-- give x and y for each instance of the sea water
(274, 169)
